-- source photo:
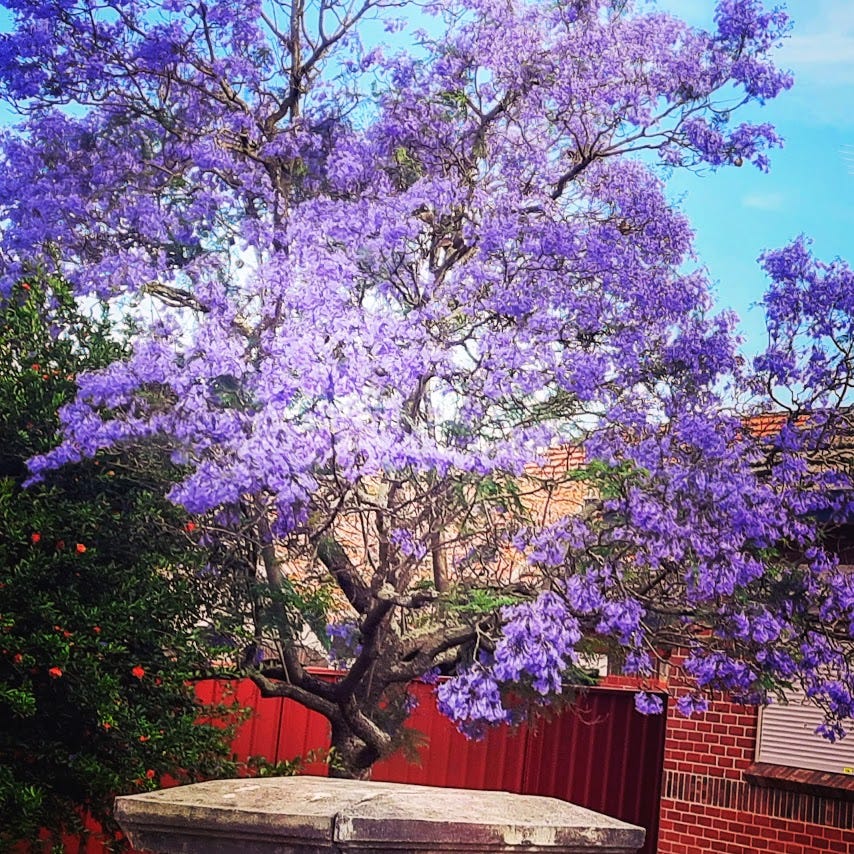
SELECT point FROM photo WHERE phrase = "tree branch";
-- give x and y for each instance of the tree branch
(331, 554)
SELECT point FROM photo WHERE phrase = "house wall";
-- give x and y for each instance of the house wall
(709, 807)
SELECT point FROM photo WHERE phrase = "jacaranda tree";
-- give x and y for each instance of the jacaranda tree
(376, 283)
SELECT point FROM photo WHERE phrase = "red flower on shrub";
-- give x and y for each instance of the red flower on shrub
(138, 671)
(18, 658)
(190, 527)
(55, 672)
(80, 548)
(149, 774)
(35, 537)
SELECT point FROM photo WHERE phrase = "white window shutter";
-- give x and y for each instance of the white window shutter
(787, 737)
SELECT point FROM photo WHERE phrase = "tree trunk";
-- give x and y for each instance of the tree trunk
(351, 757)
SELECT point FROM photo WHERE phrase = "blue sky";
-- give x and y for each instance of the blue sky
(738, 213)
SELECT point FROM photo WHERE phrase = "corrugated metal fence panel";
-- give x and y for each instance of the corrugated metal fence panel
(276, 730)
(602, 754)
(446, 758)
(449, 759)
(94, 842)
(259, 734)
(303, 733)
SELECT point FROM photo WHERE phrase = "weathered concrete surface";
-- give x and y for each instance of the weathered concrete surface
(315, 815)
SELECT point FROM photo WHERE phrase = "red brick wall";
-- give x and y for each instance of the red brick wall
(708, 807)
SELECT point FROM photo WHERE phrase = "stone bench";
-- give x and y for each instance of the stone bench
(316, 815)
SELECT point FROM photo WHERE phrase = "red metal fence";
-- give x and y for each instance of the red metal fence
(599, 753)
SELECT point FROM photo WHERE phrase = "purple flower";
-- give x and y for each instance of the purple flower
(691, 704)
(648, 704)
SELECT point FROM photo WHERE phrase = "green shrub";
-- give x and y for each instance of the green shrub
(101, 585)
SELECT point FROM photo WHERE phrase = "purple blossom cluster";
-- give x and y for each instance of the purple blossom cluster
(536, 649)
(344, 644)
(473, 701)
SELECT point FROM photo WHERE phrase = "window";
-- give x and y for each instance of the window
(787, 737)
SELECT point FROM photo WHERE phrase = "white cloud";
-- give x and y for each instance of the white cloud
(764, 201)
(822, 43)
(819, 49)
(826, 58)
